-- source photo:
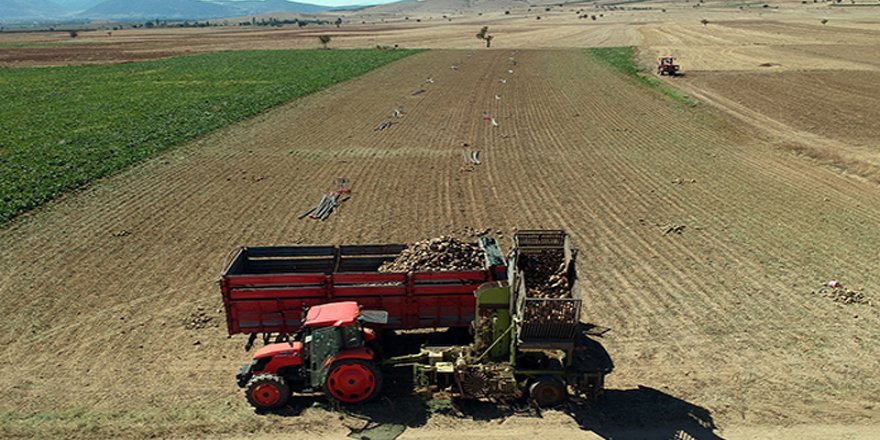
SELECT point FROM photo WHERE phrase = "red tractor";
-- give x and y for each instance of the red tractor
(667, 66)
(329, 354)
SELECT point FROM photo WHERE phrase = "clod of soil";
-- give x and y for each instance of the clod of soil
(674, 229)
(199, 319)
(436, 254)
(845, 296)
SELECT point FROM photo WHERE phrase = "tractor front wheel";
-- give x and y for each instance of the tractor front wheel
(351, 381)
(548, 392)
(267, 392)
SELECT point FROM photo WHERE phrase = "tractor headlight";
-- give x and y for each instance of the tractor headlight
(246, 371)
(244, 375)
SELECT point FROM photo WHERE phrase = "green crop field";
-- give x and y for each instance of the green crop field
(63, 127)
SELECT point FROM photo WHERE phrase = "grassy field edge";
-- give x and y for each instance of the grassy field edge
(622, 59)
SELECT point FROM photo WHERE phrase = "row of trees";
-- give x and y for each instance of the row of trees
(276, 22)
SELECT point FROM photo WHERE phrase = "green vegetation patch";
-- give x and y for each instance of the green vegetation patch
(622, 59)
(63, 127)
(32, 44)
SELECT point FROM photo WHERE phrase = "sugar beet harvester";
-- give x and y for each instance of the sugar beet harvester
(524, 314)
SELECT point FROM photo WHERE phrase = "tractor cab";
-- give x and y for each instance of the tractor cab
(331, 353)
(667, 66)
(342, 324)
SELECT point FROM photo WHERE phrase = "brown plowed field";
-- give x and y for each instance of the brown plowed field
(811, 87)
(96, 47)
(828, 115)
(758, 46)
(719, 322)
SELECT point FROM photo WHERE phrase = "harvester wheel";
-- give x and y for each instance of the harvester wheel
(351, 381)
(548, 392)
(267, 392)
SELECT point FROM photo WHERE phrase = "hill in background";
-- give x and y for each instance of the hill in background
(27, 10)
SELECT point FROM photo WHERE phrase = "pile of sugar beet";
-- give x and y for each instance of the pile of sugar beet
(545, 271)
(546, 278)
(437, 254)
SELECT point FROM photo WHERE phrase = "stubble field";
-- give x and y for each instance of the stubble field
(719, 330)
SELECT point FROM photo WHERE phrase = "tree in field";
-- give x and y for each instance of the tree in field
(338, 21)
(824, 20)
(704, 21)
(73, 34)
(482, 36)
(324, 39)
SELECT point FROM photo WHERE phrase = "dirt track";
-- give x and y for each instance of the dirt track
(720, 320)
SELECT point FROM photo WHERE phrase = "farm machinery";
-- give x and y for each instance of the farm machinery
(330, 353)
(667, 66)
(327, 307)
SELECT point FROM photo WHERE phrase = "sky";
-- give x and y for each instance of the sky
(314, 2)
(346, 2)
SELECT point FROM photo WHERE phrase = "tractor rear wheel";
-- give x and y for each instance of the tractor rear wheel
(351, 381)
(267, 392)
(548, 392)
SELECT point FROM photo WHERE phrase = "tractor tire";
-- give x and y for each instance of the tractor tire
(267, 392)
(352, 381)
(548, 392)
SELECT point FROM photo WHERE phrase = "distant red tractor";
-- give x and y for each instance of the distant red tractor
(331, 356)
(667, 66)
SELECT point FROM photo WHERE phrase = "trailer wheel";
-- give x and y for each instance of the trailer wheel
(351, 381)
(548, 392)
(267, 392)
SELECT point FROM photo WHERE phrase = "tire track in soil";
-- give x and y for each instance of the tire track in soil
(706, 297)
(553, 140)
(619, 224)
(618, 218)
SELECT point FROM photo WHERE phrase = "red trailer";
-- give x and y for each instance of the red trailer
(265, 289)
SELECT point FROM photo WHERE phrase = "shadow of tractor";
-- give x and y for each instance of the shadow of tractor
(641, 413)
